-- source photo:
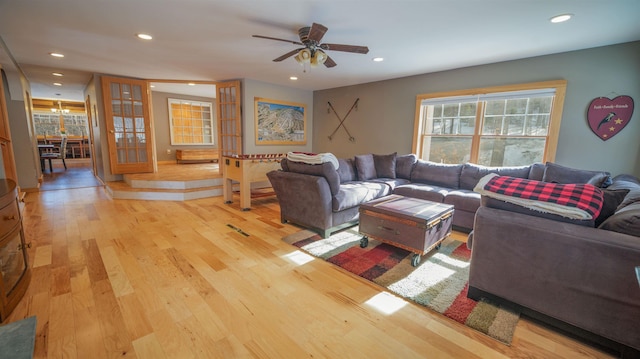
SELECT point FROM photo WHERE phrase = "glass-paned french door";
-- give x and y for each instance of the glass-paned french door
(229, 118)
(128, 125)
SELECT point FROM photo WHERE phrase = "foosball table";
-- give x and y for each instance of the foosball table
(247, 169)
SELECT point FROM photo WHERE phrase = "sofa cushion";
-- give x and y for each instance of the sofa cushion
(325, 170)
(365, 167)
(611, 200)
(352, 194)
(537, 171)
(404, 165)
(438, 174)
(391, 182)
(471, 173)
(463, 200)
(385, 165)
(626, 220)
(347, 170)
(560, 174)
(423, 191)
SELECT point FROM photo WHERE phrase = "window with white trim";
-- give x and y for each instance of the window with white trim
(191, 122)
(500, 126)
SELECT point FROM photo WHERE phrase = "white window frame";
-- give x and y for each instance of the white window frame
(482, 94)
(208, 124)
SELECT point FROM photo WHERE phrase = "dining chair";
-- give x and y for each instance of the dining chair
(61, 154)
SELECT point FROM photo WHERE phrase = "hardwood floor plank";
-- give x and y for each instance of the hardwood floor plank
(62, 340)
(116, 338)
(117, 276)
(148, 347)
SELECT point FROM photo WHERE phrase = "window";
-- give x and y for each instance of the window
(48, 124)
(191, 122)
(499, 126)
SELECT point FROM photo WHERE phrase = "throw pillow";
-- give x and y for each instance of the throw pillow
(560, 174)
(629, 182)
(347, 170)
(365, 167)
(611, 201)
(404, 165)
(626, 220)
(385, 165)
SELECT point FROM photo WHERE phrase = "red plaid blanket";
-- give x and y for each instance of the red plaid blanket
(586, 197)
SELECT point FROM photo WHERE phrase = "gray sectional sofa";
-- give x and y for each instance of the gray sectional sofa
(325, 199)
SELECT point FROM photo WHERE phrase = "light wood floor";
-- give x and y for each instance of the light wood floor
(155, 279)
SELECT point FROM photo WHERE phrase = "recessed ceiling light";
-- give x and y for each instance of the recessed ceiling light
(57, 84)
(293, 78)
(191, 84)
(56, 54)
(378, 59)
(560, 18)
(144, 36)
(152, 86)
(59, 74)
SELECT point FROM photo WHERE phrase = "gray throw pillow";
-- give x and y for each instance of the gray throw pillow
(626, 220)
(612, 199)
(404, 165)
(347, 170)
(385, 165)
(366, 167)
(560, 174)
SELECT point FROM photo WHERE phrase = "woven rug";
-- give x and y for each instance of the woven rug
(439, 282)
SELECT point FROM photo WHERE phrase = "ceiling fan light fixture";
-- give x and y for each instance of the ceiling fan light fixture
(303, 57)
(318, 58)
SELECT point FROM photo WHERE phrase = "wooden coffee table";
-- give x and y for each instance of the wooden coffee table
(413, 224)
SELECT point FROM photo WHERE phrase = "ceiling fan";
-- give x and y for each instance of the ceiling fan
(313, 52)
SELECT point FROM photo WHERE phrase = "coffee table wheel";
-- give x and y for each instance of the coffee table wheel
(364, 242)
(415, 260)
(438, 246)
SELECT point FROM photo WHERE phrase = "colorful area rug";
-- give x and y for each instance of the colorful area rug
(439, 283)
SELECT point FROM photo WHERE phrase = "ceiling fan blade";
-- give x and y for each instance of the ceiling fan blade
(275, 38)
(329, 62)
(317, 32)
(345, 48)
(287, 55)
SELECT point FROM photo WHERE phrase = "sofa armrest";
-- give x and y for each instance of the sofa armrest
(303, 199)
(579, 275)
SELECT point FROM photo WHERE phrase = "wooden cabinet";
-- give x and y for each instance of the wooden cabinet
(14, 260)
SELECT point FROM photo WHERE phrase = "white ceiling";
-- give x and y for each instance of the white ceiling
(210, 40)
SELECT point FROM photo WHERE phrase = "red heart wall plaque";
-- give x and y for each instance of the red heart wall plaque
(608, 117)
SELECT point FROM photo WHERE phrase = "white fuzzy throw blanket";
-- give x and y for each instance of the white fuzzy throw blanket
(313, 158)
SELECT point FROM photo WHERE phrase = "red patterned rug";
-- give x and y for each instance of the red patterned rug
(440, 282)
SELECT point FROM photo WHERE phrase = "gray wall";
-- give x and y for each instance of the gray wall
(384, 120)
(160, 111)
(24, 143)
(251, 89)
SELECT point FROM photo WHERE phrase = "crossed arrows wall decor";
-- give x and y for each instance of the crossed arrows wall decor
(355, 105)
